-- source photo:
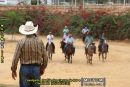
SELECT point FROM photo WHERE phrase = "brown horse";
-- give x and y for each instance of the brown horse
(62, 45)
(103, 49)
(89, 53)
(50, 51)
(83, 37)
(69, 52)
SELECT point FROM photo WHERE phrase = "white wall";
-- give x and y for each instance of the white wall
(3, 2)
(49, 2)
(12, 2)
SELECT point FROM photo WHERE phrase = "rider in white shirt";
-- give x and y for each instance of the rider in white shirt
(84, 31)
(50, 38)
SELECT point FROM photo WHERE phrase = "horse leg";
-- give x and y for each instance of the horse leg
(90, 59)
(62, 50)
(102, 57)
(105, 55)
(68, 58)
(65, 57)
(51, 56)
(48, 54)
(71, 58)
(87, 59)
(99, 56)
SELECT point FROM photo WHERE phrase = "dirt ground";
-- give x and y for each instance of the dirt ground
(116, 69)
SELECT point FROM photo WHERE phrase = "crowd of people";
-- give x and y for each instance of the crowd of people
(32, 53)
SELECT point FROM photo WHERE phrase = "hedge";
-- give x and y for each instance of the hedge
(116, 27)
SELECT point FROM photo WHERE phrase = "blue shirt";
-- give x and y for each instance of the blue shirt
(88, 39)
(65, 30)
(70, 40)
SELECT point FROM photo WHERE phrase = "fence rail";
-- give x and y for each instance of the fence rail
(54, 8)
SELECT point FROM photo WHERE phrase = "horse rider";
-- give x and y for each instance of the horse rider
(84, 31)
(70, 40)
(63, 42)
(65, 30)
(89, 40)
(102, 41)
(50, 38)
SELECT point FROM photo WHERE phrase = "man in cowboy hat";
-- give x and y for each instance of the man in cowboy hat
(32, 55)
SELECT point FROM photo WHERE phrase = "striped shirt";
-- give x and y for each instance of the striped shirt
(30, 50)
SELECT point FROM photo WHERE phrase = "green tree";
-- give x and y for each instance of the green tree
(12, 20)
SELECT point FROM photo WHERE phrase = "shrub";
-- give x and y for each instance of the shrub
(115, 26)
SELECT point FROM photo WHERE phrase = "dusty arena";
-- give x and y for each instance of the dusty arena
(116, 68)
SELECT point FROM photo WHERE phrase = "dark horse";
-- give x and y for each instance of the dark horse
(62, 45)
(103, 49)
(89, 52)
(83, 37)
(68, 51)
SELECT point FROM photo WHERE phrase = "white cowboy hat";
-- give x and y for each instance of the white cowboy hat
(28, 28)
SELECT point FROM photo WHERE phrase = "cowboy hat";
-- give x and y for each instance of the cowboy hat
(28, 28)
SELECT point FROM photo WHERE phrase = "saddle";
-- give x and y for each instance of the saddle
(93, 47)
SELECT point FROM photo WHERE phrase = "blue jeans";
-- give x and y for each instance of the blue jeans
(29, 72)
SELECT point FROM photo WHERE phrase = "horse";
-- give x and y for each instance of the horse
(62, 45)
(89, 53)
(50, 50)
(69, 52)
(103, 49)
(83, 37)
